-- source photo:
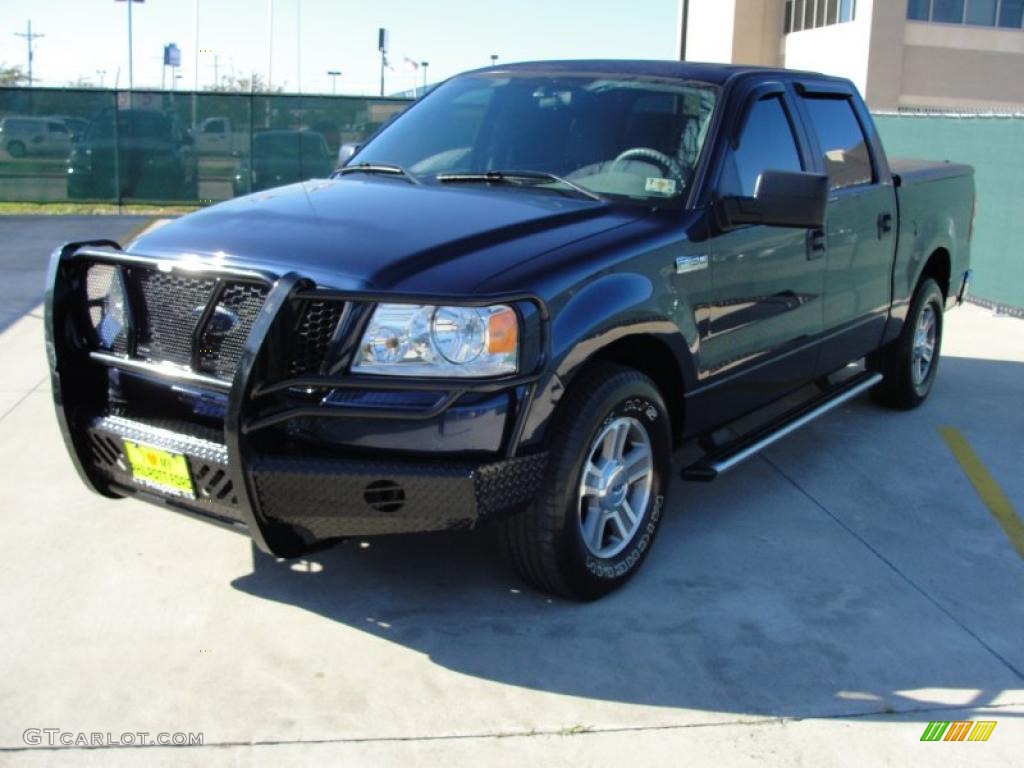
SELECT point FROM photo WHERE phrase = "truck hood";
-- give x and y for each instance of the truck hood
(383, 233)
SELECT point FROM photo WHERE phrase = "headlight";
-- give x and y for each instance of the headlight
(105, 295)
(419, 340)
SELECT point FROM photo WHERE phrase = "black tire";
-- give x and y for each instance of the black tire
(545, 541)
(16, 149)
(896, 361)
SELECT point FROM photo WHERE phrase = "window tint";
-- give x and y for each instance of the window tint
(1011, 13)
(766, 144)
(842, 141)
(981, 12)
(57, 128)
(950, 11)
(918, 10)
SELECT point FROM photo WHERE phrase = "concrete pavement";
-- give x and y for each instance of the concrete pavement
(817, 606)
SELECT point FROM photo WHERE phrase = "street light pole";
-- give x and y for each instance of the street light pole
(424, 64)
(334, 73)
(131, 73)
(270, 44)
(494, 59)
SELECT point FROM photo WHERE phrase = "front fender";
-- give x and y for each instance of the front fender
(609, 309)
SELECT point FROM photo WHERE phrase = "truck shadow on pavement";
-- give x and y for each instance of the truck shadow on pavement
(754, 600)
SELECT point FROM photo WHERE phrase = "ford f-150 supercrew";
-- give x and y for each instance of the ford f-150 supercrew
(516, 304)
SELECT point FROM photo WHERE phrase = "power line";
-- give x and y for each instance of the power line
(29, 36)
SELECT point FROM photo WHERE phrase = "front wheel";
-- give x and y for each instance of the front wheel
(909, 364)
(602, 499)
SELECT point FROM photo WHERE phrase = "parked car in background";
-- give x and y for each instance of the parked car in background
(216, 136)
(156, 158)
(76, 125)
(514, 307)
(35, 136)
(283, 157)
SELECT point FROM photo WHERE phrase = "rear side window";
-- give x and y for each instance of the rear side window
(766, 144)
(842, 141)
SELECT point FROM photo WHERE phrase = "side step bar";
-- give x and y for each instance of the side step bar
(724, 459)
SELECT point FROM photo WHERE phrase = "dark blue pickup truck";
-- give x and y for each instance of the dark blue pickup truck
(515, 305)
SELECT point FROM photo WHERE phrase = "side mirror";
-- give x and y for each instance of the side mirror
(347, 151)
(781, 199)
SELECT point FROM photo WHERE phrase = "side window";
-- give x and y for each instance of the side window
(766, 144)
(57, 128)
(847, 159)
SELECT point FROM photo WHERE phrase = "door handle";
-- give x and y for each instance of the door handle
(884, 224)
(816, 243)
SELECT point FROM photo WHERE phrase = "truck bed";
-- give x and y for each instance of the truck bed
(918, 171)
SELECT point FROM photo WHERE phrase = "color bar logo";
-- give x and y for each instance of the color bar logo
(959, 730)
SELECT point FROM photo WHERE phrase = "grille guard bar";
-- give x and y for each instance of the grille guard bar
(68, 361)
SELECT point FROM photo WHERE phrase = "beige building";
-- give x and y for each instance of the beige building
(965, 55)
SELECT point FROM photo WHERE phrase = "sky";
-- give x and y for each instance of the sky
(84, 36)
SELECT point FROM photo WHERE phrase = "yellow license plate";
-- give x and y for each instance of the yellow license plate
(161, 470)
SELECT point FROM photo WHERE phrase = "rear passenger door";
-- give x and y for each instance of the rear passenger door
(860, 223)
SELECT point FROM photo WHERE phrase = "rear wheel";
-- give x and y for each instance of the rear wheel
(16, 149)
(911, 362)
(599, 509)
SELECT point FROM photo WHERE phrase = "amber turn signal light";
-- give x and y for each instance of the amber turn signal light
(502, 332)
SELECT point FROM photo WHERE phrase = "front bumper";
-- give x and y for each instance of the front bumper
(265, 464)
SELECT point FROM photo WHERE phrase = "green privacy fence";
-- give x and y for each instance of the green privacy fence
(994, 145)
(179, 147)
(171, 147)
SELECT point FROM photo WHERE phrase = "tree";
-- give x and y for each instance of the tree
(252, 84)
(13, 75)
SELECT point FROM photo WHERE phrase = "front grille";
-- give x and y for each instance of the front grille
(197, 321)
(219, 355)
(166, 310)
(171, 307)
(316, 327)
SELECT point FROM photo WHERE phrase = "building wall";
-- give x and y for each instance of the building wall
(839, 49)
(954, 66)
(709, 33)
(894, 62)
(736, 32)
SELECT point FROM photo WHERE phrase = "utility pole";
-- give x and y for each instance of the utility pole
(29, 36)
(424, 64)
(334, 73)
(298, 46)
(216, 70)
(382, 46)
(195, 49)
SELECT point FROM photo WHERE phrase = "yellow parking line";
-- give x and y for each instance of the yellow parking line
(986, 486)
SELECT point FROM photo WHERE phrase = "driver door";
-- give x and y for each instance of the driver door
(767, 282)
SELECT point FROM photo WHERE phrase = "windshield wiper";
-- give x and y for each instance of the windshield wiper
(514, 177)
(386, 168)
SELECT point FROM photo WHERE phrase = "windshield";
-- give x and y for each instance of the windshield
(624, 137)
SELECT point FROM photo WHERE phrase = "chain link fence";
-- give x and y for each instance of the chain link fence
(93, 145)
